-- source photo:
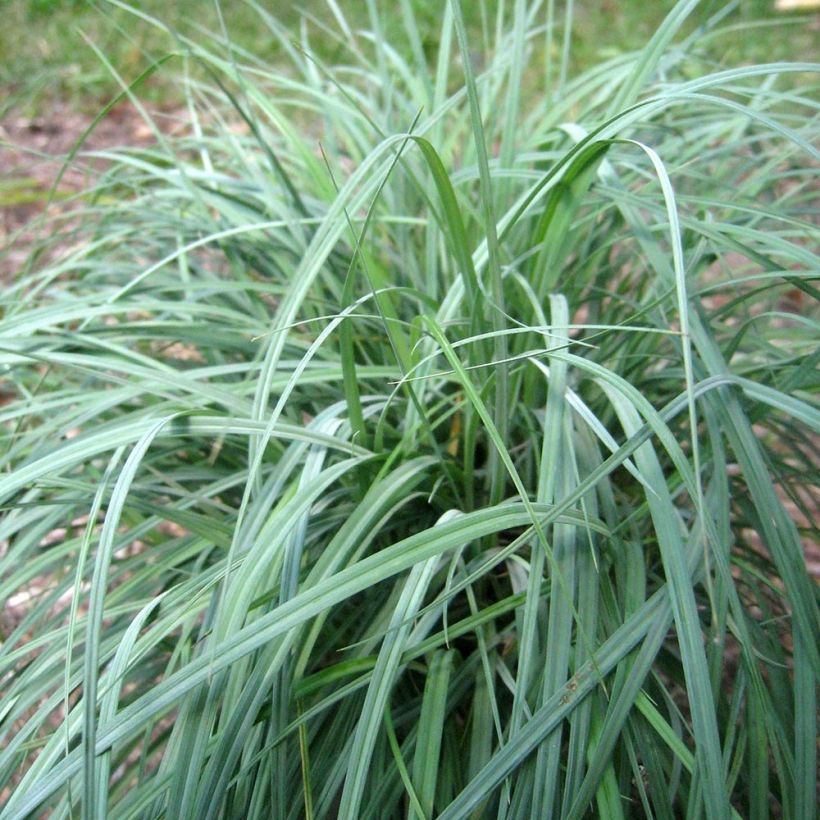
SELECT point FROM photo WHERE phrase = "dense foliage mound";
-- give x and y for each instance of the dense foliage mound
(424, 434)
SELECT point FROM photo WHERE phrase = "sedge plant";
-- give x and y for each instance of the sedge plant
(428, 433)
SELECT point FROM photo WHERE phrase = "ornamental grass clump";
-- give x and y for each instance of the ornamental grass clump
(427, 434)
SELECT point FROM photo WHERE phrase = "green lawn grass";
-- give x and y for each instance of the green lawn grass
(395, 442)
(47, 56)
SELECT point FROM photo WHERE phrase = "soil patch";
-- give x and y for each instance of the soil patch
(33, 151)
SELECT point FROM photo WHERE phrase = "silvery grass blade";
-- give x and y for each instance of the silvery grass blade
(402, 436)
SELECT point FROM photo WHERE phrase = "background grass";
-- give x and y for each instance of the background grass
(385, 443)
(46, 57)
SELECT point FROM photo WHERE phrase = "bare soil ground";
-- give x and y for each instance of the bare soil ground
(32, 152)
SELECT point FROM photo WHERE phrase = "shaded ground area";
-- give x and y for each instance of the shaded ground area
(32, 152)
